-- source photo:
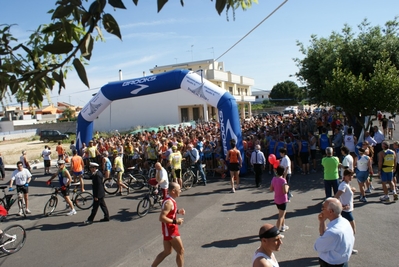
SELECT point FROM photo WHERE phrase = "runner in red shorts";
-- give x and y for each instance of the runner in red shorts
(170, 227)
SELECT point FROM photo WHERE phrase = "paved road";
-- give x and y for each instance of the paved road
(220, 228)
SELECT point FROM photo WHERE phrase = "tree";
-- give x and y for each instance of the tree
(68, 114)
(68, 40)
(21, 98)
(357, 72)
(286, 93)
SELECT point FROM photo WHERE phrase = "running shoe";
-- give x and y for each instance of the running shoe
(395, 196)
(72, 212)
(384, 198)
(313, 171)
(368, 191)
(284, 228)
(371, 187)
(28, 211)
(20, 213)
(355, 251)
(363, 199)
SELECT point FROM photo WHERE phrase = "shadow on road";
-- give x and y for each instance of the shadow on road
(57, 226)
(246, 206)
(230, 243)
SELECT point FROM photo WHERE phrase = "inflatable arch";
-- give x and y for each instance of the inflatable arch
(187, 80)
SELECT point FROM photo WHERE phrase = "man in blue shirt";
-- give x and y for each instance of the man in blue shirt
(336, 240)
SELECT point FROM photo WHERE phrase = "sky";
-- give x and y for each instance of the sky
(196, 32)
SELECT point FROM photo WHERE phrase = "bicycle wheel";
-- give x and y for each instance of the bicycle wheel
(143, 207)
(137, 182)
(111, 186)
(14, 238)
(22, 206)
(50, 206)
(188, 180)
(84, 200)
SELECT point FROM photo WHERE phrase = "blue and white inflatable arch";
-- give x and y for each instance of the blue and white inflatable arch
(167, 81)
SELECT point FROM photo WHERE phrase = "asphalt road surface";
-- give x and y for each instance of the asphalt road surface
(220, 228)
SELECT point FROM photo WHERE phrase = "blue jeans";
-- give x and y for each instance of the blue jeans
(327, 187)
(198, 167)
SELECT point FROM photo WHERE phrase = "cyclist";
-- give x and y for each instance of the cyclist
(118, 167)
(151, 154)
(65, 179)
(22, 177)
(175, 162)
(194, 156)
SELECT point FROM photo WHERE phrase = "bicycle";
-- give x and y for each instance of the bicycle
(189, 177)
(134, 181)
(82, 200)
(13, 239)
(7, 201)
(153, 196)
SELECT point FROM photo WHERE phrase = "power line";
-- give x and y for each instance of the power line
(253, 29)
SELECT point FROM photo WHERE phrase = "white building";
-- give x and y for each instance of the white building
(260, 96)
(175, 106)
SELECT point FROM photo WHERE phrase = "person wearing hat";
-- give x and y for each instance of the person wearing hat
(98, 194)
(270, 241)
(65, 179)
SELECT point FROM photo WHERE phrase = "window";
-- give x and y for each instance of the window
(184, 114)
(196, 114)
(230, 89)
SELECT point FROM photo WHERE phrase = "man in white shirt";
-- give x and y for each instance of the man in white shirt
(22, 177)
(47, 159)
(286, 163)
(161, 176)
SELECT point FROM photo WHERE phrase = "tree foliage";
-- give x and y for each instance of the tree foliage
(66, 43)
(68, 114)
(286, 93)
(358, 72)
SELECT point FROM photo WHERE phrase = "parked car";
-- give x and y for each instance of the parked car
(52, 135)
(289, 113)
(275, 113)
(263, 114)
